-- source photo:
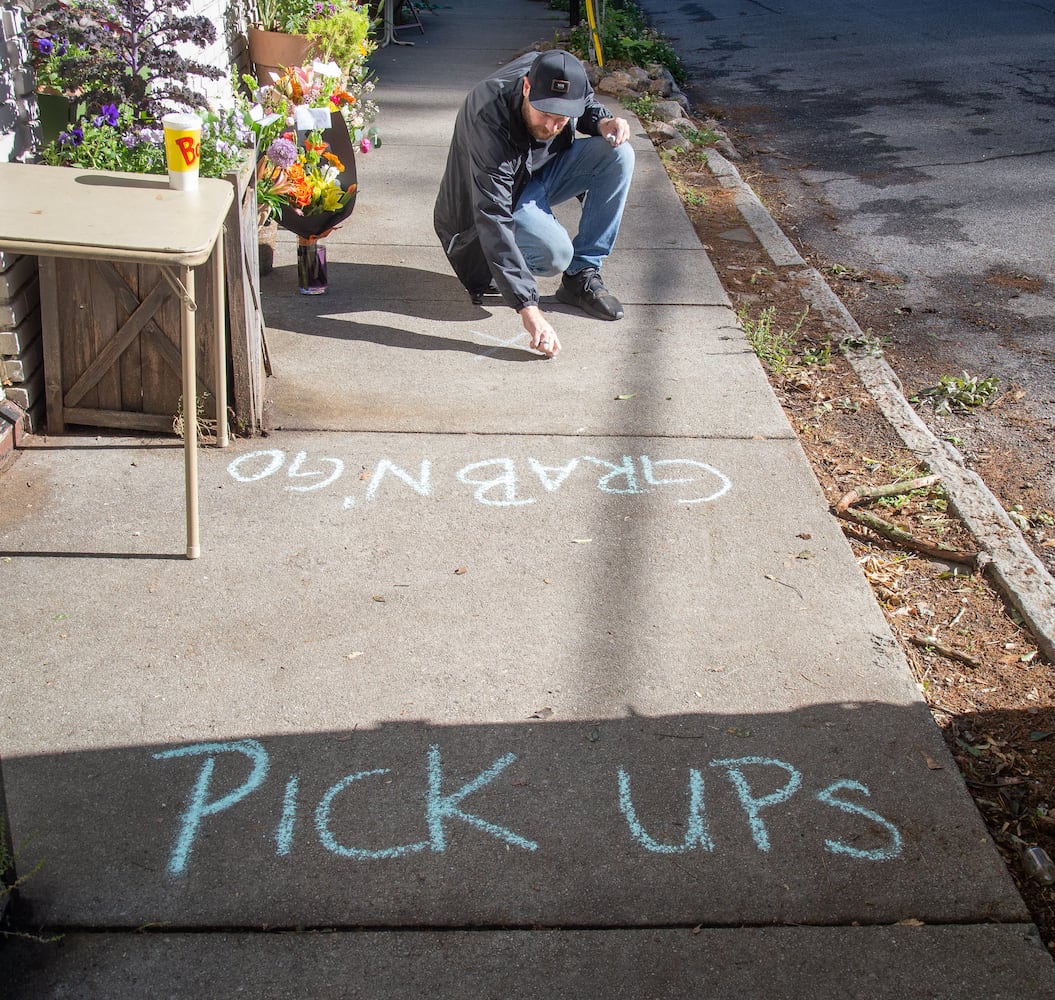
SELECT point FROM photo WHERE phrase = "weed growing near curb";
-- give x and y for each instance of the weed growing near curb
(867, 344)
(776, 348)
(644, 106)
(959, 394)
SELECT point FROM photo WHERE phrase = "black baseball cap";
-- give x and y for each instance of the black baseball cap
(558, 84)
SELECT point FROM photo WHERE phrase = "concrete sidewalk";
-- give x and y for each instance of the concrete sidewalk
(498, 676)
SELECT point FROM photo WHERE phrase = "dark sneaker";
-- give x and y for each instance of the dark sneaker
(586, 291)
(477, 298)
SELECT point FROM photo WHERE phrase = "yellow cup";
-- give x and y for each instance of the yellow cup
(182, 150)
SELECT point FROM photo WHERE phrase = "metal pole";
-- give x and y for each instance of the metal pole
(190, 411)
(220, 340)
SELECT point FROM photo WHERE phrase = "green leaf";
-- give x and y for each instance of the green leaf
(973, 751)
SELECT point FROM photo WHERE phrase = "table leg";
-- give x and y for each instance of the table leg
(390, 24)
(220, 322)
(190, 410)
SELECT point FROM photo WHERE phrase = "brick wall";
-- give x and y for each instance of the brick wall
(21, 345)
(17, 105)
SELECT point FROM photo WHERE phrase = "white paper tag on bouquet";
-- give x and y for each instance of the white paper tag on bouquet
(311, 119)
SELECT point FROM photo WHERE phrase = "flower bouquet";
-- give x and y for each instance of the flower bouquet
(306, 178)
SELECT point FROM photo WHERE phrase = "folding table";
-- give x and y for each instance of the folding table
(64, 212)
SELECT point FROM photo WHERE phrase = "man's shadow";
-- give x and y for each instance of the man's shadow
(363, 288)
(360, 288)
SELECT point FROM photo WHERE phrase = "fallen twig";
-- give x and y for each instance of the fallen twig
(890, 490)
(895, 534)
(790, 586)
(930, 642)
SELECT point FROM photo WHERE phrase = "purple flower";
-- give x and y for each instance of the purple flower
(61, 50)
(108, 117)
(74, 137)
(44, 46)
(129, 140)
(154, 135)
(282, 153)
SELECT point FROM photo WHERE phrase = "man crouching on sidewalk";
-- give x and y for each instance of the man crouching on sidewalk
(513, 155)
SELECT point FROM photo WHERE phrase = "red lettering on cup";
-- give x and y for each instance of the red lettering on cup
(190, 149)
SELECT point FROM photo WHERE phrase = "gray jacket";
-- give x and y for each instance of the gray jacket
(491, 158)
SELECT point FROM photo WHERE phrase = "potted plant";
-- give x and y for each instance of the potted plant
(57, 104)
(130, 53)
(288, 33)
(277, 37)
(342, 36)
(288, 17)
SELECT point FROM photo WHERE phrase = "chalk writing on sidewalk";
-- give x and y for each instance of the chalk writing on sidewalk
(443, 806)
(494, 482)
(696, 834)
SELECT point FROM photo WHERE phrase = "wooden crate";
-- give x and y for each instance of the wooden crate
(119, 333)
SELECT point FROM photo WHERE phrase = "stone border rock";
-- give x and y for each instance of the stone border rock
(1014, 567)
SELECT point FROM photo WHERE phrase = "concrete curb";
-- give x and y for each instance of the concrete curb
(780, 249)
(1013, 566)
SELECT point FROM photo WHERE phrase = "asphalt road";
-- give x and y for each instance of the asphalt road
(914, 139)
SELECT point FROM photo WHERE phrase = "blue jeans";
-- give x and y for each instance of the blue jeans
(594, 169)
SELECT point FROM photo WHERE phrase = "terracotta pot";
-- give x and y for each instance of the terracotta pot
(275, 51)
(267, 236)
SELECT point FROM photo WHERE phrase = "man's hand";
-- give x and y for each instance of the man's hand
(615, 130)
(543, 336)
